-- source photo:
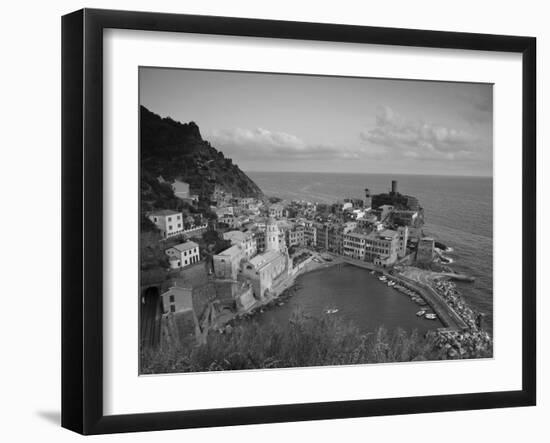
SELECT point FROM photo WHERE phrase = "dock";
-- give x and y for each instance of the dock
(448, 317)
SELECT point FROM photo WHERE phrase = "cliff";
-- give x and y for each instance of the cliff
(173, 150)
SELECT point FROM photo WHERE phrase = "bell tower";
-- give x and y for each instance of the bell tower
(272, 236)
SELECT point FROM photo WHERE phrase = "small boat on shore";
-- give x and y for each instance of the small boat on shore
(420, 313)
(431, 316)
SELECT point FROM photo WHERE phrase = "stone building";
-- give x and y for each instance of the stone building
(262, 270)
(183, 255)
(227, 263)
(425, 250)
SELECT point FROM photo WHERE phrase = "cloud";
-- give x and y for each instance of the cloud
(263, 144)
(394, 137)
(479, 108)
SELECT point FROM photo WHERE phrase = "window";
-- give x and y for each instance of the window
(170, 227)
(169, 218)
(172, 308)
(179, 225)
(171, 299)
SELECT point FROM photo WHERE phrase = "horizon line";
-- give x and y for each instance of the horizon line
(367, 173)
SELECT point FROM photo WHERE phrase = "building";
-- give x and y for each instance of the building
(183, 255)
(321, 238)
(245, 240)
(310, 234)
(223, 210)
(181, 189)
(245, 202)
(276, 211)
(356, 203)
(355, 244)
(259, 236)
(335, 238)
(228, 262)
(177, 300)
(231, 221)
(295, 236)
(262, 270)
(381, 247)
(179, 315)
(403, 232)
(425, 250)
(169, 223)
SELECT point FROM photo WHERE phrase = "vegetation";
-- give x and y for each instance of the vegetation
(153, 261)
(304, 341)
(173, 150)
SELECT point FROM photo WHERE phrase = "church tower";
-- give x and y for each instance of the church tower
(272, 236)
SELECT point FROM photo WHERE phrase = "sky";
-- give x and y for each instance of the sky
(284, 122)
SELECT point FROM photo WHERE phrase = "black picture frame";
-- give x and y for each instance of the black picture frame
(82, 215)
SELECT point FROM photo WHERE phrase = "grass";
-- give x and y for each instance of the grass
(303, 341)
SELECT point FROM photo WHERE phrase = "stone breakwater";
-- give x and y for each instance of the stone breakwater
(470, 343)
(465, 344)
(448, 291)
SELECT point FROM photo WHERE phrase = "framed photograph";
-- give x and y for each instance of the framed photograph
(269, 221)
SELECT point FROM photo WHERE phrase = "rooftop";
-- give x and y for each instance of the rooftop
(185, 246)
(232, 251)
(262, 259)
(164, 212)
(388, 233)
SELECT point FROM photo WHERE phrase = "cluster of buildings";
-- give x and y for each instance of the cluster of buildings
(234, 212)
(381, 229)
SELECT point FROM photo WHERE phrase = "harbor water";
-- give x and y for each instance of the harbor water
(353, 294)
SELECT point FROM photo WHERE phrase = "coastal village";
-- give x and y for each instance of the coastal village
(263, 244)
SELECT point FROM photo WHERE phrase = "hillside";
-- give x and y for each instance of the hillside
(177, 151)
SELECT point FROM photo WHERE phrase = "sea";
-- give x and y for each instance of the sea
(458, 212)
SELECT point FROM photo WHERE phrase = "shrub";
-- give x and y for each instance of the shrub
(303, 341)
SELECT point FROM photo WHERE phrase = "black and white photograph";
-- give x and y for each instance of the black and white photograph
(294, 221)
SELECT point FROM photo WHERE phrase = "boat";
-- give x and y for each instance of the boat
(420, 313)
(431, 316)
(382, 278)
(331, 311)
